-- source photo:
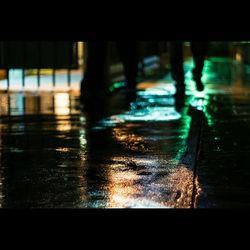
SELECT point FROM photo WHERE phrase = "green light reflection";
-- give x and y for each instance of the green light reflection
(116, 85)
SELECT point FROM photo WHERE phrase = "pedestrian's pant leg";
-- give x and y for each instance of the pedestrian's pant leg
(128, 52)
(199, 51)
(176, 61)
(94, 75)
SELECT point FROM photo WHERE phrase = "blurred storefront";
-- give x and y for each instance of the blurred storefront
(64, 61)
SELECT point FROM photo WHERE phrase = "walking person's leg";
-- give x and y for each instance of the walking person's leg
(177, 71)
(129, 57)
(199, 50)
(176, 61)
(95, 71)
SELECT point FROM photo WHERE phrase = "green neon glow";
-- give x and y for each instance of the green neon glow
(116, 85)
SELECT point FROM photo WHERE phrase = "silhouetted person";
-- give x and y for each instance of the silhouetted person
(129, 57)
(96, 72)
(199, 50)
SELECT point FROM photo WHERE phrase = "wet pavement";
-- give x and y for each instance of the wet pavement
(144, 152)
(223, 169)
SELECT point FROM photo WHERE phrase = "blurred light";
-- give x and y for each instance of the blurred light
(4, 109)
(62, 104)
(17, 104)
(149, 114)
(238, 57)
(198, 103)
(116, 85)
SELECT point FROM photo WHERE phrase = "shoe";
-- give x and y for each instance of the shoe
(199, 85)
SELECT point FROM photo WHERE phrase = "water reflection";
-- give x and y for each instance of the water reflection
(152, 105)
(1, 173)
(4, 104)
(40, 167)
(139, 157)
(17, 104)
(28, 103)
(99, 150)
(81, 161)
(135, 164)
(39, 154)
(62, 103)
(31, 104)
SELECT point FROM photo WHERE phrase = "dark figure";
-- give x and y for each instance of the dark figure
(199, 50)
(96, 72)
